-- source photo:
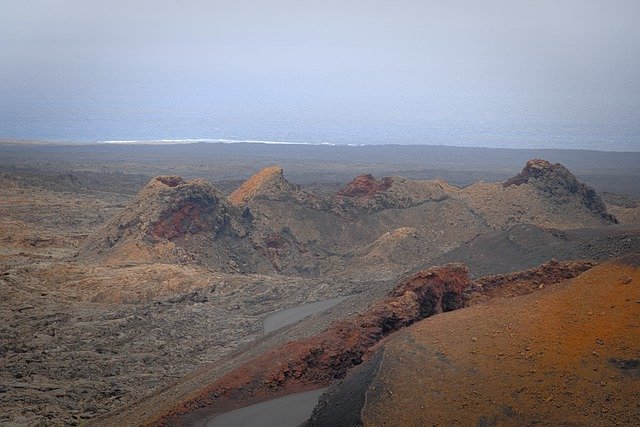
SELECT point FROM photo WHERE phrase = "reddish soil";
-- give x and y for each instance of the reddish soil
(366, 186)
(567, 355)
(185, 220)
(253, 185)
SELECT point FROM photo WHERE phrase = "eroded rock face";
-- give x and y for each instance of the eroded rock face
(187, 207)
(366, 186)
(437, 290)
(557, 181)
(170, 207)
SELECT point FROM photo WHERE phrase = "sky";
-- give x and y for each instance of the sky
(460, 72)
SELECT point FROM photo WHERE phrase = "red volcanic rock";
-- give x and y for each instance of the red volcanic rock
(366, 186)
(318, 360)
(437, 290)
(170, 219)
(550, 272)
(187, 219)
(181, 207)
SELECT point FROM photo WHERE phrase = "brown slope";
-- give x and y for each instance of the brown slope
(568, 355)
(268, 182)
(526, 245)
(306, 234)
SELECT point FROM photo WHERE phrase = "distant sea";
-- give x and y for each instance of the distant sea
(89, 117)
(172, 129)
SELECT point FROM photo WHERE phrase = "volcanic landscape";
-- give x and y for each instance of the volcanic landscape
(391, 285)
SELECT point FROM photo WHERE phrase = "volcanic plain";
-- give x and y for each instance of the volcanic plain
(136, 288)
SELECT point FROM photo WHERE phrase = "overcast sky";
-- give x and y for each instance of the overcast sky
(322, 70)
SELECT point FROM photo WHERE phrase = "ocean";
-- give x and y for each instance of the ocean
(86, 111)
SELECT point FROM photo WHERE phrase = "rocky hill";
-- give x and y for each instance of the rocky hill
(177, 220)
(391, 226)
(269, 183)
(544, 194)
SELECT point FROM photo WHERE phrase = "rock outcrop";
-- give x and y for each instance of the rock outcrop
(543, 194)
(558, 182)
(567, 355)
(366, 186)
(323, 358)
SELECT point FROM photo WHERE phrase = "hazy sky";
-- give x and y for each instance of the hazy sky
(510, 73)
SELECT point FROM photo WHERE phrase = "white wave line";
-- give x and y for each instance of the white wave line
(215, 141)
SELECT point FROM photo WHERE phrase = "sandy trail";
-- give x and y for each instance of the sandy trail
(288, 411)
(291, 315)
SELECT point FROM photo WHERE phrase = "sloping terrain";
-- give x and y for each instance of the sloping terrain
(527, 245)
(566, 355)
(329, 353)
(625, 208)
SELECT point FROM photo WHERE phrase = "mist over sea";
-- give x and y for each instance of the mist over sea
(542, 74)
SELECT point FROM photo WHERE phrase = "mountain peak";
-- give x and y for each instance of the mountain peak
(557, 181)
(166, 209)
(270, 181)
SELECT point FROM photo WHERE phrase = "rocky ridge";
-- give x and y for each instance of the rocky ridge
(544, 194)
(268, 183)
(269, 224)
(317, 361)
(566, 355)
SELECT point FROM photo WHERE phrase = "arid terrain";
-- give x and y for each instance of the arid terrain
(565, 355)
(137, 284)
